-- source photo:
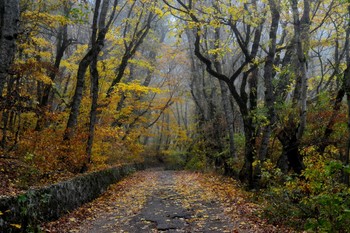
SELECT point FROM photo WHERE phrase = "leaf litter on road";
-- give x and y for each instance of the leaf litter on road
(168, 201)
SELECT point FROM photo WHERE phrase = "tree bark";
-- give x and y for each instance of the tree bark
(93, 110)
(268, 77)
(94, 89)
(9, 19)
(346, 84)
(292, 133)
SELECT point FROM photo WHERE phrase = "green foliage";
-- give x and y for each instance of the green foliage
(197, 162)
(270, 175)
(201, 155)
(317, 200)
(239, 143)
(80, 13)
(174, 160)
(29, 215)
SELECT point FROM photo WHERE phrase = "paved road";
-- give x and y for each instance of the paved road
(166, 201)
(165, 209)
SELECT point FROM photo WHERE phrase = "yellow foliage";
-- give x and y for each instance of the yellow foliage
(18, 226)
(137, 88)
(50, 20)
(42, 77)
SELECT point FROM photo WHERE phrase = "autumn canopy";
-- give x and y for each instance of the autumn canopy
(258, 90)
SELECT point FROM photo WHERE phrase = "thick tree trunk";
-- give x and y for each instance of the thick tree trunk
(93, 110)
(9, 18)
(301, 35)
(290, 158)
(346, 83)
(293, 131)
(246, 173)
(78, 94)
(268, 76)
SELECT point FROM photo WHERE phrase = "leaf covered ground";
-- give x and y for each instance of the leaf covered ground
(167, 201)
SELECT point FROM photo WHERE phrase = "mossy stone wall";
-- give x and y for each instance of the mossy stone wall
(49, 203)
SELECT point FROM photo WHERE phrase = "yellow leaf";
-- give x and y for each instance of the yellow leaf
(43, 77)
(1, 213)
(18, 226)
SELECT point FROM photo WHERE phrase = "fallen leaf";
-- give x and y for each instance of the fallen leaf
(18, 226)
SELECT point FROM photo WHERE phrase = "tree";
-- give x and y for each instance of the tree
(9, 22)
(346, 86)
(247, 68)
(268, 81)
(132, 39)
(62, 44)
(97, 42)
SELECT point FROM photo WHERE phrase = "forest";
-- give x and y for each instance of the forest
(258, 90)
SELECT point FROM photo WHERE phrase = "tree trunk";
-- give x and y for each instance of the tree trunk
(324, 142)
(94, 89)
(291, 157)
(301, 33)
(268, 76)
(347, 154)
(293, 131)
(62, 45)
(346, 82)
(93, 110)
(130, 51)
(6, 111)
(97, 41)
(9, 18)
(227, 110)
(78, 95)
(246, 173)
(230, 123)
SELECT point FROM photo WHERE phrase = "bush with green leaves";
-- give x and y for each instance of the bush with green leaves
(174, 160)
(317, 200)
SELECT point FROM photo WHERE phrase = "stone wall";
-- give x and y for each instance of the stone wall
(38, 205)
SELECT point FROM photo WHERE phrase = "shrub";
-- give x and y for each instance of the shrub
(317, 200)
(174, 160)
